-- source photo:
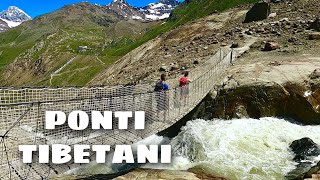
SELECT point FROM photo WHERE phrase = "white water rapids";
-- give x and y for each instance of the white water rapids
(235, 149)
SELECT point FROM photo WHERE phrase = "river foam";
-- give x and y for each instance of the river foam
(256, 149)
(242, 148)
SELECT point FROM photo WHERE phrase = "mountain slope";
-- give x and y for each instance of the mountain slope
(187, 11)
(189, 45)
(30, 53)
(84, 40)
(176, 46)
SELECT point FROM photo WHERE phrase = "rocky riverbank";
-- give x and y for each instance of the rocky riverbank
(146, 174)
(305, 151)
(266, 84)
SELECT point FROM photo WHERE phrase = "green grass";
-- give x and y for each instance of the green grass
(10, 36)
(79, 72)
(78, 77)
(10, 53)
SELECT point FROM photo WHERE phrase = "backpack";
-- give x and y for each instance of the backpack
(159, 86)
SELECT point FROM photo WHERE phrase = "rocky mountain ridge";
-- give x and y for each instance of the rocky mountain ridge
(153, 11)
(13, 16)
(159, 10)
(125, 10)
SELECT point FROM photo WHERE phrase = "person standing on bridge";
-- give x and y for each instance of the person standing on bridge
(161, 89)
(161, 84)
(184, 87)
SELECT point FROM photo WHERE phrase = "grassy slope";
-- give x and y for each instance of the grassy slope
(62, 32)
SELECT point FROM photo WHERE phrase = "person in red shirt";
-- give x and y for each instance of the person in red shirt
(183, 84)
(184, 79)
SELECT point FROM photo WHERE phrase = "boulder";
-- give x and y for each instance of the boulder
(163, 68)
(293, 39)
(234, 45)
(270, 46)
(260, 30)
(258, 12)
(275, 63)
(285, 20)
(303, 148)
(224, 44)
(215, 12)
(315, 24)
(300, 172)
(314, 36)
(313, 171)
(174, 68)
(248, 32)
(83, 48)
(196, 62)
(315, 74)
(230, 84)
(192, 174)
(272, 15)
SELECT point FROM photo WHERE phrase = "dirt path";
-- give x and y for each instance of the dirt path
(61, 68)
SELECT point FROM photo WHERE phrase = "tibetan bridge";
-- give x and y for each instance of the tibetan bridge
(22, 112)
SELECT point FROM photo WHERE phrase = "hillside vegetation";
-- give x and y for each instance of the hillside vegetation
(34, 53)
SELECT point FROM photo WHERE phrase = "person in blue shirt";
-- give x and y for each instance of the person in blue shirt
(165, 87)
(161, 89)
(161, 84)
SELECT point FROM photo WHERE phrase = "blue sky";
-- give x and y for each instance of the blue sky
(38, 7)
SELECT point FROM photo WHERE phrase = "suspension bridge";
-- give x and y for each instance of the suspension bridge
(22, 113)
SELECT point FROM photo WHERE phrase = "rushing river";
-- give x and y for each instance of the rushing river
(235, 149)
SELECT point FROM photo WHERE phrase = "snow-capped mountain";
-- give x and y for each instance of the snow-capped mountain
(13, 17)
(154, 11)
(160, 10)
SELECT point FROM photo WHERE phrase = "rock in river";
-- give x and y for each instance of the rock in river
(303, 148)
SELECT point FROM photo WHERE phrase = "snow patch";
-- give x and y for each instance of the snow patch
(156, 17)
(11, 24)
(137, 17)
(154, 6)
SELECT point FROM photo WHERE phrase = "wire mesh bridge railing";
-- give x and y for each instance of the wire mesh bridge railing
(22, 114)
